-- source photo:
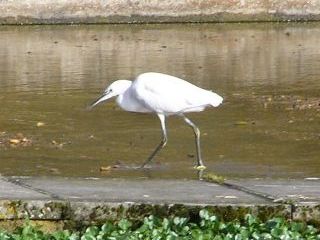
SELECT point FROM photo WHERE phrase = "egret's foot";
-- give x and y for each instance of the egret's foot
(201, 167)
(143, 166)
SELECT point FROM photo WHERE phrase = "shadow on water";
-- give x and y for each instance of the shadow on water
(268, 74)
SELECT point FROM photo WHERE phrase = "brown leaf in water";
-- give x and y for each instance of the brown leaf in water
(40, 124)
(56, 144)
(105, 168)
(54, 171)
(241, 123)
(14, 141)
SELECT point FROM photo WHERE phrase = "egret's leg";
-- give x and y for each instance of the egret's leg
(197, 138)
(163, 141)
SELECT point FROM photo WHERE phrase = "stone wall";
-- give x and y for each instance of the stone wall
(147, 11)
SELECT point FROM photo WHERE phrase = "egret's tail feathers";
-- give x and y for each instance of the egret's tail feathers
(216, 100)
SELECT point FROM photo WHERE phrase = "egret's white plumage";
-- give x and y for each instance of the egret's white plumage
(164, 95)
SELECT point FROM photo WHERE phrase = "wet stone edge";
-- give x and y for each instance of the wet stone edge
(219, 17)
(81, 214)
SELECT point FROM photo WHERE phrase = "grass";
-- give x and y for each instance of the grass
(177, 228)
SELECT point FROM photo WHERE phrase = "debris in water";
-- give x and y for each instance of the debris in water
(40, 124)
(91, 137)
(54, 171)
(107, 168)
(14, 141)
(241, 123)
(116, 166)
(57, 145)
(19, 140)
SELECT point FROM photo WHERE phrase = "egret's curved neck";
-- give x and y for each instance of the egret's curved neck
(124, 95)
(119, 99)
(128, 102)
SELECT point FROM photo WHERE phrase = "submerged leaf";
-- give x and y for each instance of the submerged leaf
(40, 124)
(14, 141)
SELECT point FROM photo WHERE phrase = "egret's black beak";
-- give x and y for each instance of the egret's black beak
(104, 97)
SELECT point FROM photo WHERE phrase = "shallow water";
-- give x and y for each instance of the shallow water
(268, 126)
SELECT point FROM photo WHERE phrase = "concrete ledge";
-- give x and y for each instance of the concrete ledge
(155, 11)
(34, 209)
(71, 214)
(77, 202)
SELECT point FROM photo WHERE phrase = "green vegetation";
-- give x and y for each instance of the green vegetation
(207, 227)
(211, 177)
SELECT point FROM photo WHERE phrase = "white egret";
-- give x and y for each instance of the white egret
(163, 95)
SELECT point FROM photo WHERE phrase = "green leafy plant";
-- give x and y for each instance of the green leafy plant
(178, 228)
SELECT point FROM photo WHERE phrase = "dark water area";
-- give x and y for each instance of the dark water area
(268, 126)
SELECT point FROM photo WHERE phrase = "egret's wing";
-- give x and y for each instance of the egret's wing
(168, 94)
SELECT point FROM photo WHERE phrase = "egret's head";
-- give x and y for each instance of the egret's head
(115, 89)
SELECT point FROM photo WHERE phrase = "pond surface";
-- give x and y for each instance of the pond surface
(268, 126)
